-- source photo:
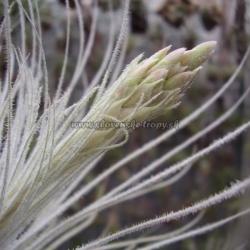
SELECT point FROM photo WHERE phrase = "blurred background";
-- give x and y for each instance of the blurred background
(155, 24)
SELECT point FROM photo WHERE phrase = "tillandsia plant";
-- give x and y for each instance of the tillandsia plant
(43, 159)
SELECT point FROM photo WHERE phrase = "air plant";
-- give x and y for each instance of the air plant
(45, 156)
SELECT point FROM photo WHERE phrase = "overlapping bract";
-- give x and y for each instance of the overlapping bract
(151, 87)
